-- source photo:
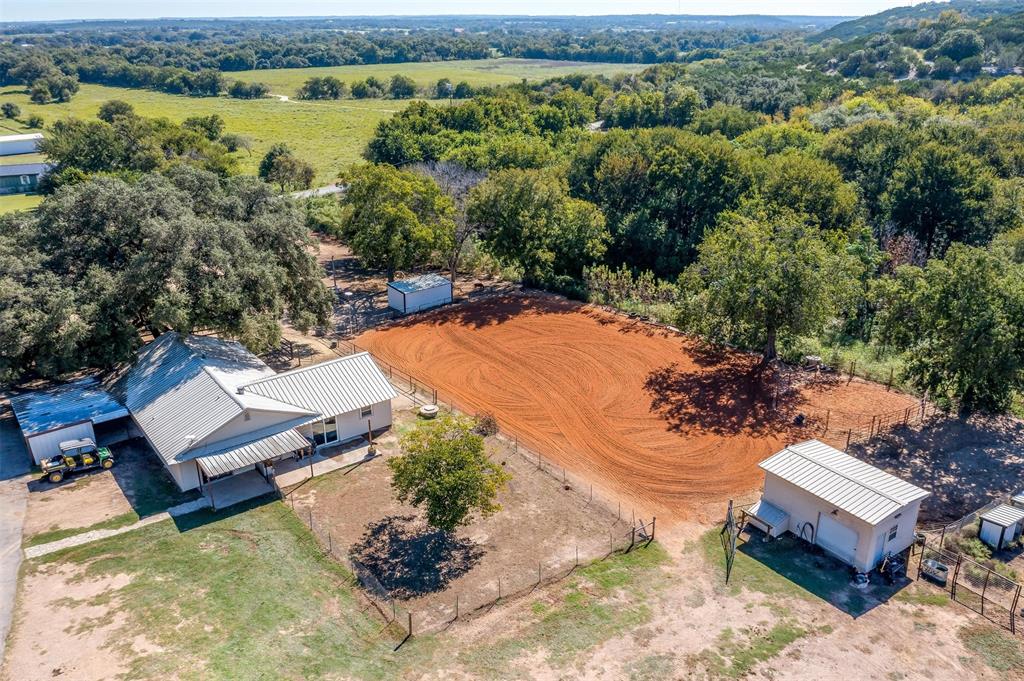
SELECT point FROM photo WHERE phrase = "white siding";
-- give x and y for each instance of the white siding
(416, 301)
(351, 425)
(185, 474)
(803, 507)
(46, 445)
(19, 144)
(258, 420)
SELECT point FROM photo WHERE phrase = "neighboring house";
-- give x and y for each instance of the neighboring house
(21, 166)
(854, 511)
(210, 408)
(419, 293)
(65, 412)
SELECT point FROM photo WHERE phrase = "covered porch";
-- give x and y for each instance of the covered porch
(235, 475)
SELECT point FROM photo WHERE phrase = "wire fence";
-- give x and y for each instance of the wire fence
(631, 527)
(417, 618)
(976, 586)
(844, 427)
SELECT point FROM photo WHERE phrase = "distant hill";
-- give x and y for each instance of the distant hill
(624, 22)
(907, 17)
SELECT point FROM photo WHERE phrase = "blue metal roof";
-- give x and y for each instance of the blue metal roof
(421, 283)
(58, 406)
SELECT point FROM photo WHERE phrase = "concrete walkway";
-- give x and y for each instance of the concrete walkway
(291, 472)
(94, 535)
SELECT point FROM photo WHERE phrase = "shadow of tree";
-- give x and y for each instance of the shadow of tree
(409, 558)
(725, 400)
(493, 310)
(964, 463)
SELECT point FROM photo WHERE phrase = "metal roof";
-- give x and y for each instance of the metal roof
(22, 137)
(768, 513)
(860, 489)
(58, 406)
(1004, 515)
(183, 389)
(253, 452)
(420, 283)
(336, 387)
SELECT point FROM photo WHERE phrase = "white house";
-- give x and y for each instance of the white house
(854, 511)
(1001, 526)
(419, 293)
(210, 408)
(64, 412)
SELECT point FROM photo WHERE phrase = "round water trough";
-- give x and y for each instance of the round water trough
(428, 411)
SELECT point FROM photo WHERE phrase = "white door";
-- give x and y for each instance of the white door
(837, 539)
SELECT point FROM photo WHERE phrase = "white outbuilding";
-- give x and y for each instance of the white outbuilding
(419, 293)
(1001, 526)
(20, 144)
(68, 411)
(852, 510)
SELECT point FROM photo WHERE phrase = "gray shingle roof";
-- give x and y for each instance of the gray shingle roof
(847, 483)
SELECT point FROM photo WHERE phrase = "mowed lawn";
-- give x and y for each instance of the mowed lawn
(330, 135)
(476, 72)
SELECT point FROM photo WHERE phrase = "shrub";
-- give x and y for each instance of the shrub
(486, 424)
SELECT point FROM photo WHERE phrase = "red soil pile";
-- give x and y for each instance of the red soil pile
(633, 407)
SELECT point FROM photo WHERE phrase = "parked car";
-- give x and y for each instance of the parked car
(76, 456)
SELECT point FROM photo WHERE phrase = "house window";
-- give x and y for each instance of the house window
(25, 179)
(366, 412)
(892, 532)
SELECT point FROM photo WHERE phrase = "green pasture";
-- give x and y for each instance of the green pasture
(330, 135)
(476, 72)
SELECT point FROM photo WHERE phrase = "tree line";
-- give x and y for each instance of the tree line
(881, 218)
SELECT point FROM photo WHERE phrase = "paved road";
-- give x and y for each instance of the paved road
(14, 464)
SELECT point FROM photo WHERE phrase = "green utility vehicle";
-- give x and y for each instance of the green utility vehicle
(75, 456)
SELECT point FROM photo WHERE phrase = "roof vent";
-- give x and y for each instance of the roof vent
(240, 389)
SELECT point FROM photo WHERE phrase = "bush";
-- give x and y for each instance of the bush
(34, 121)
(486, 424)
(10, 110)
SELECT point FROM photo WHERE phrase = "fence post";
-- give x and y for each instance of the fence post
(849, 434)
(1013, 611)
(310, 509)
(853, 370)
(888, 385)
(956, 573)
(654, 519)
(828, 416)
(456, 606)
(632, 538)
(984, 588)
(538, 572)
(330, 543)
(499, 588)
(410, 623)
(577, 555)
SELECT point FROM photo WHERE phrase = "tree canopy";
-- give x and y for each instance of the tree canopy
(104, 261)
(444, 470)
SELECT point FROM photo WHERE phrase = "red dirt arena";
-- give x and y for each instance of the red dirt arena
(631, 406)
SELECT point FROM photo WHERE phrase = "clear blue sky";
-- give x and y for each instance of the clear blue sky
(24, 10)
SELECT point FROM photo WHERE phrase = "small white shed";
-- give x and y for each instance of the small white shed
(852, 510)
(69, 411)
(1001, 526)
(419, 293)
